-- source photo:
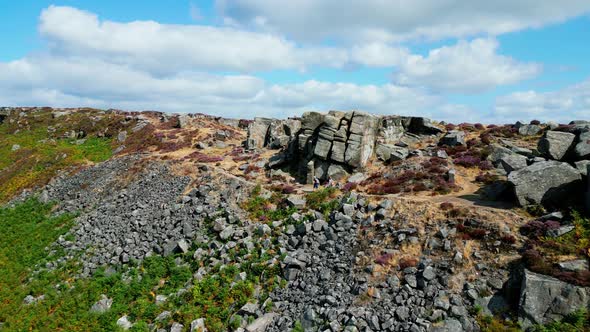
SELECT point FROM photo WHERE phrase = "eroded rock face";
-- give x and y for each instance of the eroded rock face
(544, 299)
(547, 182)
(345, 139)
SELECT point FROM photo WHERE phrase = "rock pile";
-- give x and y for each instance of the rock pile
(150, 215)
(553, 173)
(335, 284)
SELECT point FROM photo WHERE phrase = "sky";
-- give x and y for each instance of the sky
(451, 60)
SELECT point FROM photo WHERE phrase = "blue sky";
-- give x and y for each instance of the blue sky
(450, 60)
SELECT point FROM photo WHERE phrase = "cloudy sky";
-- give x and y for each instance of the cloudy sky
(454, 60)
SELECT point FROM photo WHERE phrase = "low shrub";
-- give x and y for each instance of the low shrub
(486, 178)
(349, 186)
(445, 206)
(384, 259)
(406, 262)
(200, 157)
(536, 229)
(458, 212)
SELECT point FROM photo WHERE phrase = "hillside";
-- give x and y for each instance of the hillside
(148, 221)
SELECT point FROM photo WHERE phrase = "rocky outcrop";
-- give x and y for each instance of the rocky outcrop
(547, 183)
(349, 140)
(555, 145)
(544, 299)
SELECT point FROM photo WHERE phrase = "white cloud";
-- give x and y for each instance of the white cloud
(165, 48)
(147, 65)
(569, 103)
(70, 82)
(378, 20)
(466, 67)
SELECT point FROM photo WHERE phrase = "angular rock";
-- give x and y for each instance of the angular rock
(389, 153)
(198, 325)
(296, 201)
(547, 182)
(337, 172)
(582, 149)
(555, 144)
(544, 299)
(449, 325)
(124, 323)
(322, 148)
(103, 305)
(574, 265)
(529, 130)
(453, 138)
(513, 162)
(357, 177)
(582, 166)
(419, 125)
(176, 327)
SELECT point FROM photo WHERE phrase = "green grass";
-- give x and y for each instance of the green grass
(323, 200)
(43, 154)
(28, 228)
(574, 322)
(267, 209)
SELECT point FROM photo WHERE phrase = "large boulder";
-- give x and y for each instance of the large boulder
(257, 132)
(544, 299)
(453, 138)
(337, 172)
(583, 147)
(546, 182)
(419, 125)
(497, 152)
(556, 144)
(388, 152)
(529, 130)
(513, 162)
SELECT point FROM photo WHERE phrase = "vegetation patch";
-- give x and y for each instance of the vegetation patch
(274, 207)
(542, 252)
(428, 175)
(323, 200)
(34, 148)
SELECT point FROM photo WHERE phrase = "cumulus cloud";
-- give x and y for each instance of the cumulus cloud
(378, 20)
(69, 82)
(569, 103)
(165, 48)
(147, 65)
(467, 67)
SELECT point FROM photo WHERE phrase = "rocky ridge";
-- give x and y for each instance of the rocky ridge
(373, 262)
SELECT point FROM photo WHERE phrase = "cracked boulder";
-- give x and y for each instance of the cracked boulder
(547, 183)
(544, 299)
